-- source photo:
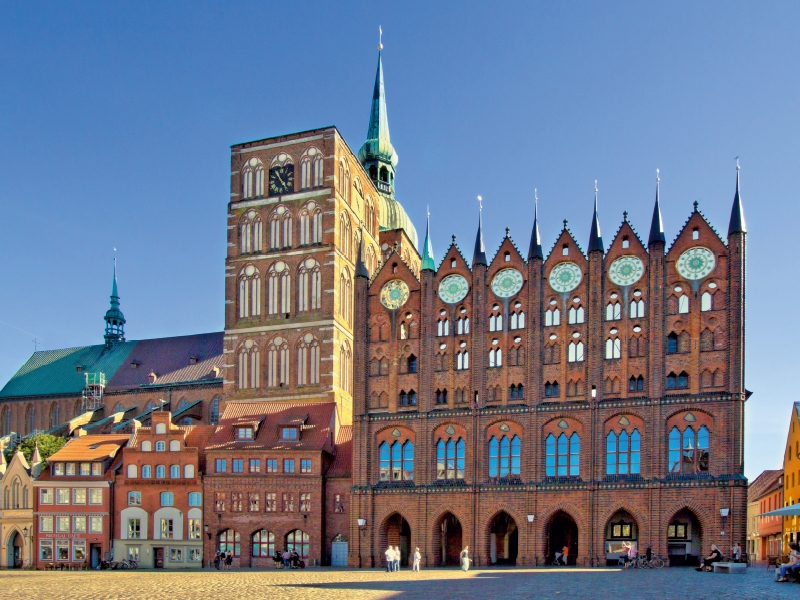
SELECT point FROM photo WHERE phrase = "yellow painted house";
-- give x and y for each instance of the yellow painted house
(791, 480)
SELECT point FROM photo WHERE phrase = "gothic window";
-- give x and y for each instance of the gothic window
(250, 233)
(462, 325)
(53, 418)
(710, 379)
(30, 418)
(516, 392)
(461, 395)
(279, 289)
(496, 322)
(552, 317)
(637, 309)
(575, 315)
(575, 388)
(637, 346)
(552, 354)
(613, 311)
(252, 179)
(563, 455)
(371, 260)
(396, 461)
(683, 304)
(346, 295)
(309, 286)
(6, 420)
(249, 292)
(504, 456)
(680, 381)
(278, 363)
(672, 343)
(551, 389)
(611, 385)
(636, 384)
(308, 361)
(493, 394)
(613, 348)
(213, 412)
(688, 451)
(346, 237)
(684, 342)
(623, 453)
(442, 327)
(345, 374)
(462, 360)
(575, 352)
(407, 398)
(249, 366)
(344, 181)
(516, 356)
(450, 458)
(517, 320)
(495, 357)
(411, 363)
(441, 396)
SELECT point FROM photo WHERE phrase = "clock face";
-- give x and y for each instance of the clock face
(565, 277)
(453, 288)
(507, 283)
(281, 180)
(695, 263)
(626, 270)
(394, 294)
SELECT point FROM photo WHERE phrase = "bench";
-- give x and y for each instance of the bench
(730, 568)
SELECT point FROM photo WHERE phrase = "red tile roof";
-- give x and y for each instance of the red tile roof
(315, 434)
(342, 465)
(90, 448)
(171, 360)
(765, 483)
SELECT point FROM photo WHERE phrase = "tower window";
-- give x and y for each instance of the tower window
(695, 234)
(565, 250)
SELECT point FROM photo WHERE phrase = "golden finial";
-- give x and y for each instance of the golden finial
(380, 38)
(480, 203)
(658, 175)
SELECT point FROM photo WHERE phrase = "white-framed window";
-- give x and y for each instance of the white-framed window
(62, 550)
(62, 524)
(552, 317)
(161, 472)
(167, 529)
(175, 472)
(45, 495)
(167, 499)
(575, 352)
(161, 446)
(195, 499)
(517, 320)
(95, 496)
(146, 446)
(62, 495)
(134, 498)
(495, 357)
(79, 524)
(95, 524)
(683, 304)
(613, 311)
(196, 554)
(637, 309)
(46, 524)
(613, 348)
(79, 495)
(462, 360)
(134, 529)
(188, 471)
(575, 315)
(132, 471)
(46, 550)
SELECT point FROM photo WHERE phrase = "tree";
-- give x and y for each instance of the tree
(48, 445)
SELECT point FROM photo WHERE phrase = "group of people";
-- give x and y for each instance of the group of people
(289, 559)
(393, 556)
(223, 560)
(791, 570)
(707, 564)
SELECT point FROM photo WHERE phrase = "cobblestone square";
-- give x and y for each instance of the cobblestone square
(439, 584)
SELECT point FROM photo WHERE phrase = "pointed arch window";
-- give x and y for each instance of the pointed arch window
(279, 289)
(6, 420)
(309, 286)
(249, 292)
(346, 295)
(623, 453)
(54, 415)
(504, 456)
(637, 309)
(613, 348)
(517, 320)
(308, 361)
(30, 418)
(636, 384)
(679, 381)
(213, 411)
(278, 363)
(683, 304)
(516, 392)
(552, 317)
(345, 375)
(346, 237)
(462, 360)
(442, 327)
(562, 455)
(441, 396)
(396, 461)
(495, 357)
(551, 389)
(450, 458)
(462, 325)
(407, 398)
(575, 352)
(249, 366)
(613, 311)
(689, 450)
(576, 315)
(496, 322)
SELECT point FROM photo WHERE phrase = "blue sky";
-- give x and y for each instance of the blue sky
(116, 121)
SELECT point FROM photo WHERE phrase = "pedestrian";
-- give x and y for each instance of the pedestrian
(286, 556)
(229, 560)
(737, 552)
(389, 559)
(417, 560)
(216, 560)
(396, 566)
(565, 554)
(708, 561)
(626, 554)
(465, 559)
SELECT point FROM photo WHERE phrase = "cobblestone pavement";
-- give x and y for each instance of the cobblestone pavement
(324, 584)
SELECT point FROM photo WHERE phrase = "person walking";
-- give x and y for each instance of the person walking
(229, 560)
(417, 560)
(286, 556)
(396, 566)
(389, 559)
(216, 560)
(465, 559)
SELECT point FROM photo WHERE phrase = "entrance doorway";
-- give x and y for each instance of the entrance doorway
(396, 532)
(684, 539)
(14, 558)
(449, 543)
(503, 540)
(158, 558)
(95, 554)
(562, 533)
(621, 531)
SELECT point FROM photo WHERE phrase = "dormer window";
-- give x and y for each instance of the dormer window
(289, 433)
(58, 469)
(245, 433)
(192, 360)
(135, 364)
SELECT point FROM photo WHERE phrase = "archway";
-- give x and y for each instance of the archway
(395, 532)
(621, 530)
(562, 532)
(503, 540)
(15, 544)
(684, 539)
(448, 542)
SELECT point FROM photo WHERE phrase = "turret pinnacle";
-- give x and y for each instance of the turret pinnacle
(535, 250)
(361, 267)
(595, 237)
(657, 225)
(36, 462)
(737, 224)
(428, 262)
(115, 320)
(479, 256)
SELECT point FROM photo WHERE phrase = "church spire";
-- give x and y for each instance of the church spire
(428, 261)
(737, 224)
(535, 250)
(657, 225)
(479, 256)
(115, 320)
(595, 237)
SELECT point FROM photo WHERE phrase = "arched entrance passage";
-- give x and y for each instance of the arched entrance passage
(503, 540)
(621, 530)
(562, 531)
(448, 540)
(395, 531)
(14, 549)
(684, 539)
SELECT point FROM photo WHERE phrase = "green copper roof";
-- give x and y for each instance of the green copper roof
(378, 145)
(428, 262)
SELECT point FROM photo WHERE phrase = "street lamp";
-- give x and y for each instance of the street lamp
(362, 523)
(723, 512)
(25, 536)
(530, 522)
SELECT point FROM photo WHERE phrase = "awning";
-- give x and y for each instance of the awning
(786, 511)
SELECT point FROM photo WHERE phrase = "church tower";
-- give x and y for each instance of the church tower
(115, 320)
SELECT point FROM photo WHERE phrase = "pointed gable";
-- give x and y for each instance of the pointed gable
(565, 250)
(697, 232)
(507, 256)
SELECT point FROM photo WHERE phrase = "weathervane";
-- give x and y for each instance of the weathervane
(480, 203)
(736, 158)
(380, 38)
(658, 177)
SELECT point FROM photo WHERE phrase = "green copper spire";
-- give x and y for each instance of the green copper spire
(428, 262)
(115, 320)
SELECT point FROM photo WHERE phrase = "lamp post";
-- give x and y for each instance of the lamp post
(530, 541)
(25, 537)
(723, 512)
(362, 523)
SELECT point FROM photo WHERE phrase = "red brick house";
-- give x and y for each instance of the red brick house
(74, 503)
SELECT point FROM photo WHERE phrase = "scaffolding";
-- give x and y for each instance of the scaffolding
(93, 391)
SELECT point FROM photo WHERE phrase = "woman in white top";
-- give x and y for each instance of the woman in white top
(465, 559)
(417, 560)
